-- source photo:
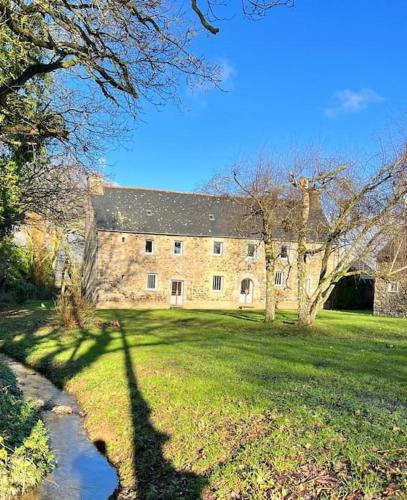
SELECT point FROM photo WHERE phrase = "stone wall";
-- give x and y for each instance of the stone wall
(123, 266)
(391, 303)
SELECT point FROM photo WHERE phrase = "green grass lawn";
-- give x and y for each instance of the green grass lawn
(219, 405)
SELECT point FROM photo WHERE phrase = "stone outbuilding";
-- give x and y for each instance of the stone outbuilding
(391, 291)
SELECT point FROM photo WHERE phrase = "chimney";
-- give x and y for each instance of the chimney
(315, 199)
(95, 184)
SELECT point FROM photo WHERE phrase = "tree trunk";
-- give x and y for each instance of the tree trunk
(314, 306)
(304, 317)
(308, 313)
(303, 301)
(270, 283)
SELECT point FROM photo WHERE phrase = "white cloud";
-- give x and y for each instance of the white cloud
(351, 101)
(225, 75)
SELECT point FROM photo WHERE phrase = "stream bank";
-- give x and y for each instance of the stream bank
(82, 472)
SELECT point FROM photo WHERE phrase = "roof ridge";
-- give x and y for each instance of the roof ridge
(139, 188)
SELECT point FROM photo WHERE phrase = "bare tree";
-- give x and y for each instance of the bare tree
(394, 254)
(258, 191)
(362, 216)
(131, 47)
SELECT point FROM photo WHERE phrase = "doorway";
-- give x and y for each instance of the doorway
(246, 291)
(177, 293)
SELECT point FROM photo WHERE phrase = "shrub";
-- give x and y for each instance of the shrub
(72, 307)
(18, 281)
(23, 290)
(25, 458)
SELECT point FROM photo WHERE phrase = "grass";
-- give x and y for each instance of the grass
(216, 404)
(25, 458)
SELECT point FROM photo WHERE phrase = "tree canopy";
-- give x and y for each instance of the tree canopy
(129, 49)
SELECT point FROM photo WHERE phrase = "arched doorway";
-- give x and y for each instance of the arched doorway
(246, 291)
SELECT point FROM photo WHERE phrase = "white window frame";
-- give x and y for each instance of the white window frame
(254, 253)
(155, 282)
(288, 253)
(221, 248)
(181, 247)
(152, 247)
(393, 287)
(221, 283)
(279, 283)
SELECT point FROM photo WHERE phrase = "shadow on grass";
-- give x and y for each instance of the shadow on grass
(335, 367)
(154, 476)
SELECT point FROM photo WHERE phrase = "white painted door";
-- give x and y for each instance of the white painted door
(246, 291)
(177, 293)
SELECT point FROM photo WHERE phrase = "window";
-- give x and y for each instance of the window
(151, 281)
(217, 248)
(149, 246)
(308, 285)
(284, 252)
(246, 287)
(251, 250)
(217, 283)
(393, 286)
(279, 278)
(177, 247)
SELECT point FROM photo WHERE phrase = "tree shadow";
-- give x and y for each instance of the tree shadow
(155, 477)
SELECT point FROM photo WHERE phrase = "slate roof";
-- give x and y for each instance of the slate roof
(148, 211)
(398, 245)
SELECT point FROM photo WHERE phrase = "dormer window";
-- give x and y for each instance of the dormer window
(284, 252)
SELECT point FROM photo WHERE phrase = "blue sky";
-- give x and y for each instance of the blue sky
(330, 73)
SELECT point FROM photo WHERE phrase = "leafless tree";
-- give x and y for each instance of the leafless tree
(362, 215)
(131, 48)
(258, 191)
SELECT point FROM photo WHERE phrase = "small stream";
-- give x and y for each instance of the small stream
(81, 472)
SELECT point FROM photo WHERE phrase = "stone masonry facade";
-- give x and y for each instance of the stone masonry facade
(391, 296)
(123, 268)
(128, 267)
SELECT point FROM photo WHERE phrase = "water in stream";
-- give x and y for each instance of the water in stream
(81, 471)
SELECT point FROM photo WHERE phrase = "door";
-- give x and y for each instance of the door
(177, 293)
(246, 291)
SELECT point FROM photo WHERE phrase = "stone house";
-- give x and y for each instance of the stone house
(390, 298)
(149, 248)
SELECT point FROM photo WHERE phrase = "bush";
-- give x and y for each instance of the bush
(24, 290)
(17, 279)
(25, 458)
(72, 308)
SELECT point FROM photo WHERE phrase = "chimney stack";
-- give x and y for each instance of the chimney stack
(95, 184)
(315, 199)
